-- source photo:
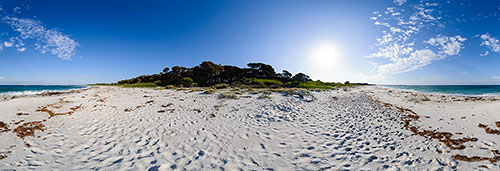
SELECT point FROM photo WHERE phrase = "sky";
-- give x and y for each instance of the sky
(379, 41)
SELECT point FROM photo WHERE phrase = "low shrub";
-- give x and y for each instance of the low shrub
(140, 85)
(227, 96)
(221, 86)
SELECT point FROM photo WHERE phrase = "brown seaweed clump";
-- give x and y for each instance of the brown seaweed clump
(497, 123)
(21, 113)
(493, 159)
(489, 130)
(28, 129)
(52, 113)
(3, 127)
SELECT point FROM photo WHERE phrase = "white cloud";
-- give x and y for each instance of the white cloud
(491, 42)
(496, 78)
(399, 2)
(8, 44)
(449, 45)
(21, 49)
(17, 10)
(47, 40)
(2, 78)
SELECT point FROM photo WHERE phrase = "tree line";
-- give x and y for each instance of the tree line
(209, 74)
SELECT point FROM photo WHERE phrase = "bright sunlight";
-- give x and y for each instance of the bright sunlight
(325, 54)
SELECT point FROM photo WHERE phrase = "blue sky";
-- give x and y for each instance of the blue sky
(382, 41)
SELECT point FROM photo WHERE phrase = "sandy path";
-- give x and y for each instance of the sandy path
(144, 129)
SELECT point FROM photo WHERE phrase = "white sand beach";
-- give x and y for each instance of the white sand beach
(362, 128)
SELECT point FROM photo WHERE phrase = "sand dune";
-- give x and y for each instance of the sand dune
(112, 128)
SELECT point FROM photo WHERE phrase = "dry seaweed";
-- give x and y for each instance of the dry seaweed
(28, 129)
(489, 130)
(52, 113)
(3, 127)
(493, 159)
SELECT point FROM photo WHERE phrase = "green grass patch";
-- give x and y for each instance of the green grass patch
(316, 85)
(140, 85)
(261, 83)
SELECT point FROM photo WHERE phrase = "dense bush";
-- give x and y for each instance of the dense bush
(186, 82)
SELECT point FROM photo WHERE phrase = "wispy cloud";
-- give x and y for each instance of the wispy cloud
(2, 78)
(398, 44)
(47, 40)
(399, 2)
(491, 42)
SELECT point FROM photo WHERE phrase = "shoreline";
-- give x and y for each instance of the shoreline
(13, 95)
(441, 93)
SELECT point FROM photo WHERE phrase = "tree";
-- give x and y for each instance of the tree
(186, 82)
(301, 77)
(285, 76)
(207, 73)
(260, 70)
(166, 70)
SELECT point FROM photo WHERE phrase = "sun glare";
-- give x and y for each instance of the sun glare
(325, 54)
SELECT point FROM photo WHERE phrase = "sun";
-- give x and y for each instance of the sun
(325, 54)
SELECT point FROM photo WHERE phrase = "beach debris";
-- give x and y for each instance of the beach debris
(28, 129)
(21, 113)
(161, 111)
(150, 101)
(18, 122)
(489, 130)
(212, 115)
(52, 113)
(494, 159)
(3, 127)
(4, 154)
(167, 105)
(197, 110)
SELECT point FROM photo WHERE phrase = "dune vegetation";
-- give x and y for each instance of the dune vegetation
(209, 74)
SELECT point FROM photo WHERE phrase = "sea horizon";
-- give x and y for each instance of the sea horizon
(35, 89)
(463, 90)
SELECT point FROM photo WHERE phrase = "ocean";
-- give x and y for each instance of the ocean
(34, 89)
(473, 90)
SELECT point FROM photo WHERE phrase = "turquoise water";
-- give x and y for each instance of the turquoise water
(34, 89)
(453, 89)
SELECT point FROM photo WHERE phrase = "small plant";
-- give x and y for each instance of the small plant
(264, 97)
(210, 91)
(221, 86)
(227, 96)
